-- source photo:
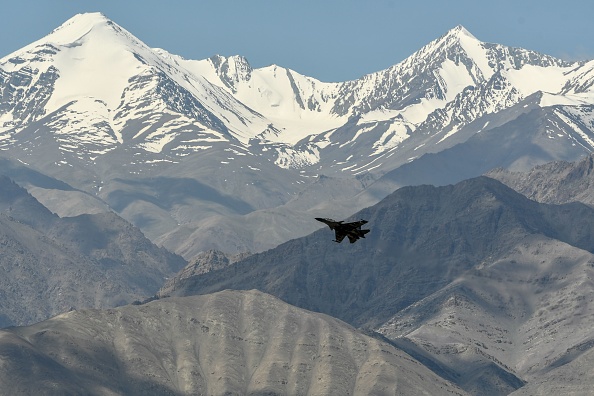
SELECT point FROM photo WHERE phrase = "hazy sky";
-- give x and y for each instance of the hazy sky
(331, 40)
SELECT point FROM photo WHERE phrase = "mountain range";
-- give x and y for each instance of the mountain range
(554, 182)
(49, 265)
(492, 289)
(117, 160)
(93, 106)
(488, 289)
(231, 342)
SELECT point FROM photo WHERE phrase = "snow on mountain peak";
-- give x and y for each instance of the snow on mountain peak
(162, 102)
(69, 33)
(453, 38)
(94, 58)
(77, 27)
(460, 31)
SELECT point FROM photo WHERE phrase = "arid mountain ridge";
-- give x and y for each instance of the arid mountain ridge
(475, 278)
(512, 277)
(51, 264)
(465, 285)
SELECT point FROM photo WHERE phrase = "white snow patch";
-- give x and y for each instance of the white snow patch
(549, 99)
(577, 129)
(484, 126)
(94, 59)
(417, 113)
(378, 116)
(477, 52)
(349, 167)
(158, 142)
(156, 161)
(367, 170)
(394, 135)
(454, 78)
(530, 79)
(455, 129)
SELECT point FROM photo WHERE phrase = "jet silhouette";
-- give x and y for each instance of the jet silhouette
(352, 230)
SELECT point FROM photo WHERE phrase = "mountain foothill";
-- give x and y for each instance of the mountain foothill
(158, 232)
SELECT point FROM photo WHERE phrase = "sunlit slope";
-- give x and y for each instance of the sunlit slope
(225, 343)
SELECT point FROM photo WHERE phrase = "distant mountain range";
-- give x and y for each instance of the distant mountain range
(492, 288)
(554, 182)
(49, 264)
(117, 159)
(178, 147)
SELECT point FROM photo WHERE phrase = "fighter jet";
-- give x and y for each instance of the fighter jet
(352, 230)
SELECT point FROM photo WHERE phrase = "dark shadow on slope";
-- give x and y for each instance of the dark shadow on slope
(20, 174)
(521, 143)
(165, 192)
(419, 354)
(571, 354)
(490, 380)
(50, 377)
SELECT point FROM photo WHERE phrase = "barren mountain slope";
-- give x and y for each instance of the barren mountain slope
(226, 343)
(480, 278)
(49, 264)
(571, 375)
(521, 314)
(554, 182)
(421, 239)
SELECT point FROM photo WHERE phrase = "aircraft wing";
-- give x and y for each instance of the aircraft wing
(353, 238)
(356, 224)
(339, 236)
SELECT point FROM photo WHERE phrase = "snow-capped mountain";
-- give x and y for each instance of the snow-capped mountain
(92, 105)
(423, 104)
(97, 88)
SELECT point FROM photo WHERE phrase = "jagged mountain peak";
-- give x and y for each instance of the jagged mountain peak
(233, 60)
(85, 27)
(231, 70)
(93, 17)
(460, 30)
(74, 32)
(84, 23)
(456, 35)
(455, 38)
(426, 80)
(88, 56)
(82, 42)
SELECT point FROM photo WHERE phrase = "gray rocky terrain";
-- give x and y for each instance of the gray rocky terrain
(211, 260)
(49, 264)
(485, 286)
(554, 182)
(488, 288)
(243, 343)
